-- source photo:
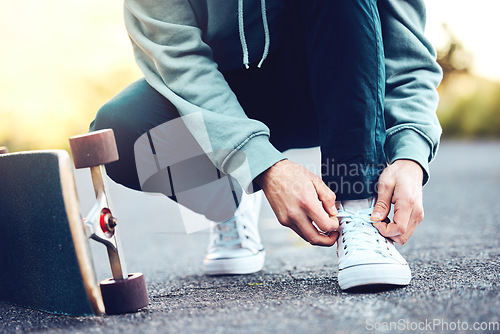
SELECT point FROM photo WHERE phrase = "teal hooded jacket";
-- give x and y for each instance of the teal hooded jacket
(182, 46)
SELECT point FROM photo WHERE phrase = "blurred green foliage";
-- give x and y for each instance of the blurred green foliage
(470, 106)
(45, 104)
(474, 115)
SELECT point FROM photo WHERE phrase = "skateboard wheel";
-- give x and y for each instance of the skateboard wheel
(3, 150)
(94, 148)
(126, 295)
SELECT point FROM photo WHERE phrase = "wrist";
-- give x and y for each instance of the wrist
(263, 178)
(412, 165)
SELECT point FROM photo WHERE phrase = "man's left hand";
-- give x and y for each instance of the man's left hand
(399, 184)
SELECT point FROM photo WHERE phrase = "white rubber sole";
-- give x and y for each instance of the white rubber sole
(240, 265)
(373, 274)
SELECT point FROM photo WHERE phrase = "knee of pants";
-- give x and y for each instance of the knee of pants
(126, 130)
(133, 111)
(113, 115)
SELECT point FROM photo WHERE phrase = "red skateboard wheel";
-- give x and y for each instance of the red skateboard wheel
(3, 150)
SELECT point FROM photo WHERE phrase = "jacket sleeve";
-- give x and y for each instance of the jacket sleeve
(169, 49)
(412, 76)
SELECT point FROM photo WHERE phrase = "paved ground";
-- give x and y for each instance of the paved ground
(454, 256)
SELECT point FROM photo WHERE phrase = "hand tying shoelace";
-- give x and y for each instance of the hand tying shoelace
(358, 232)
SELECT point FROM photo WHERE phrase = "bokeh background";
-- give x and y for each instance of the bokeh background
(60, 60)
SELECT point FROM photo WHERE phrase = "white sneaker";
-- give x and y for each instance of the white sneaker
(365, 256)
(235, 246)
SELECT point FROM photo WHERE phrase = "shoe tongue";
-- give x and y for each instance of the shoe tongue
(358, 204)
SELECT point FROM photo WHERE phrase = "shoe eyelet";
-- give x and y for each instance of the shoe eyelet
(343, 239)
(249, 238)
(346, 253)
(345, 246)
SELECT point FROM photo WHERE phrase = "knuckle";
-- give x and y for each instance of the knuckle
(382, 186)
(418, 214)
(292, 218)
(335, 223)
(321, 226)
(401, 230)
(285, 222)
(385, 183)
(383, 205)
(330, 197)
(304, 203)
(314, 240)
(290, 215)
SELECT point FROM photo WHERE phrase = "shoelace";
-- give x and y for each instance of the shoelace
(227, 233)
(358, 228)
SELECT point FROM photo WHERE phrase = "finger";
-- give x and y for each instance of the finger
(317, 213)
(417, 215)
(332, 235)
(401, 219)
(298, 231)
(386, 229)
(385, 189)
(402, 214)
(386, 221)
(313, 236)
(326, 196)
(403, 238)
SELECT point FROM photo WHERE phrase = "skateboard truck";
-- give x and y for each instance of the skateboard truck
(124, 292)
(100, 224)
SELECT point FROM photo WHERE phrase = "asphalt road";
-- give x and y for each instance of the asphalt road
(454, 256)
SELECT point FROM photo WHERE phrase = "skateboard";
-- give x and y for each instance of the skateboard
(44, 240)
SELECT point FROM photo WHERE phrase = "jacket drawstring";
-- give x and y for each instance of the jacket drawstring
(241, 27)
(266, 32)
(243, 40)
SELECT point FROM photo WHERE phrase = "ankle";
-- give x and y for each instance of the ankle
(356, 204)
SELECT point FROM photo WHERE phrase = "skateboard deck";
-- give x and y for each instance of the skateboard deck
(44, 254)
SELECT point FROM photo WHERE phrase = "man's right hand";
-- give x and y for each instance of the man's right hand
(298, 198)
